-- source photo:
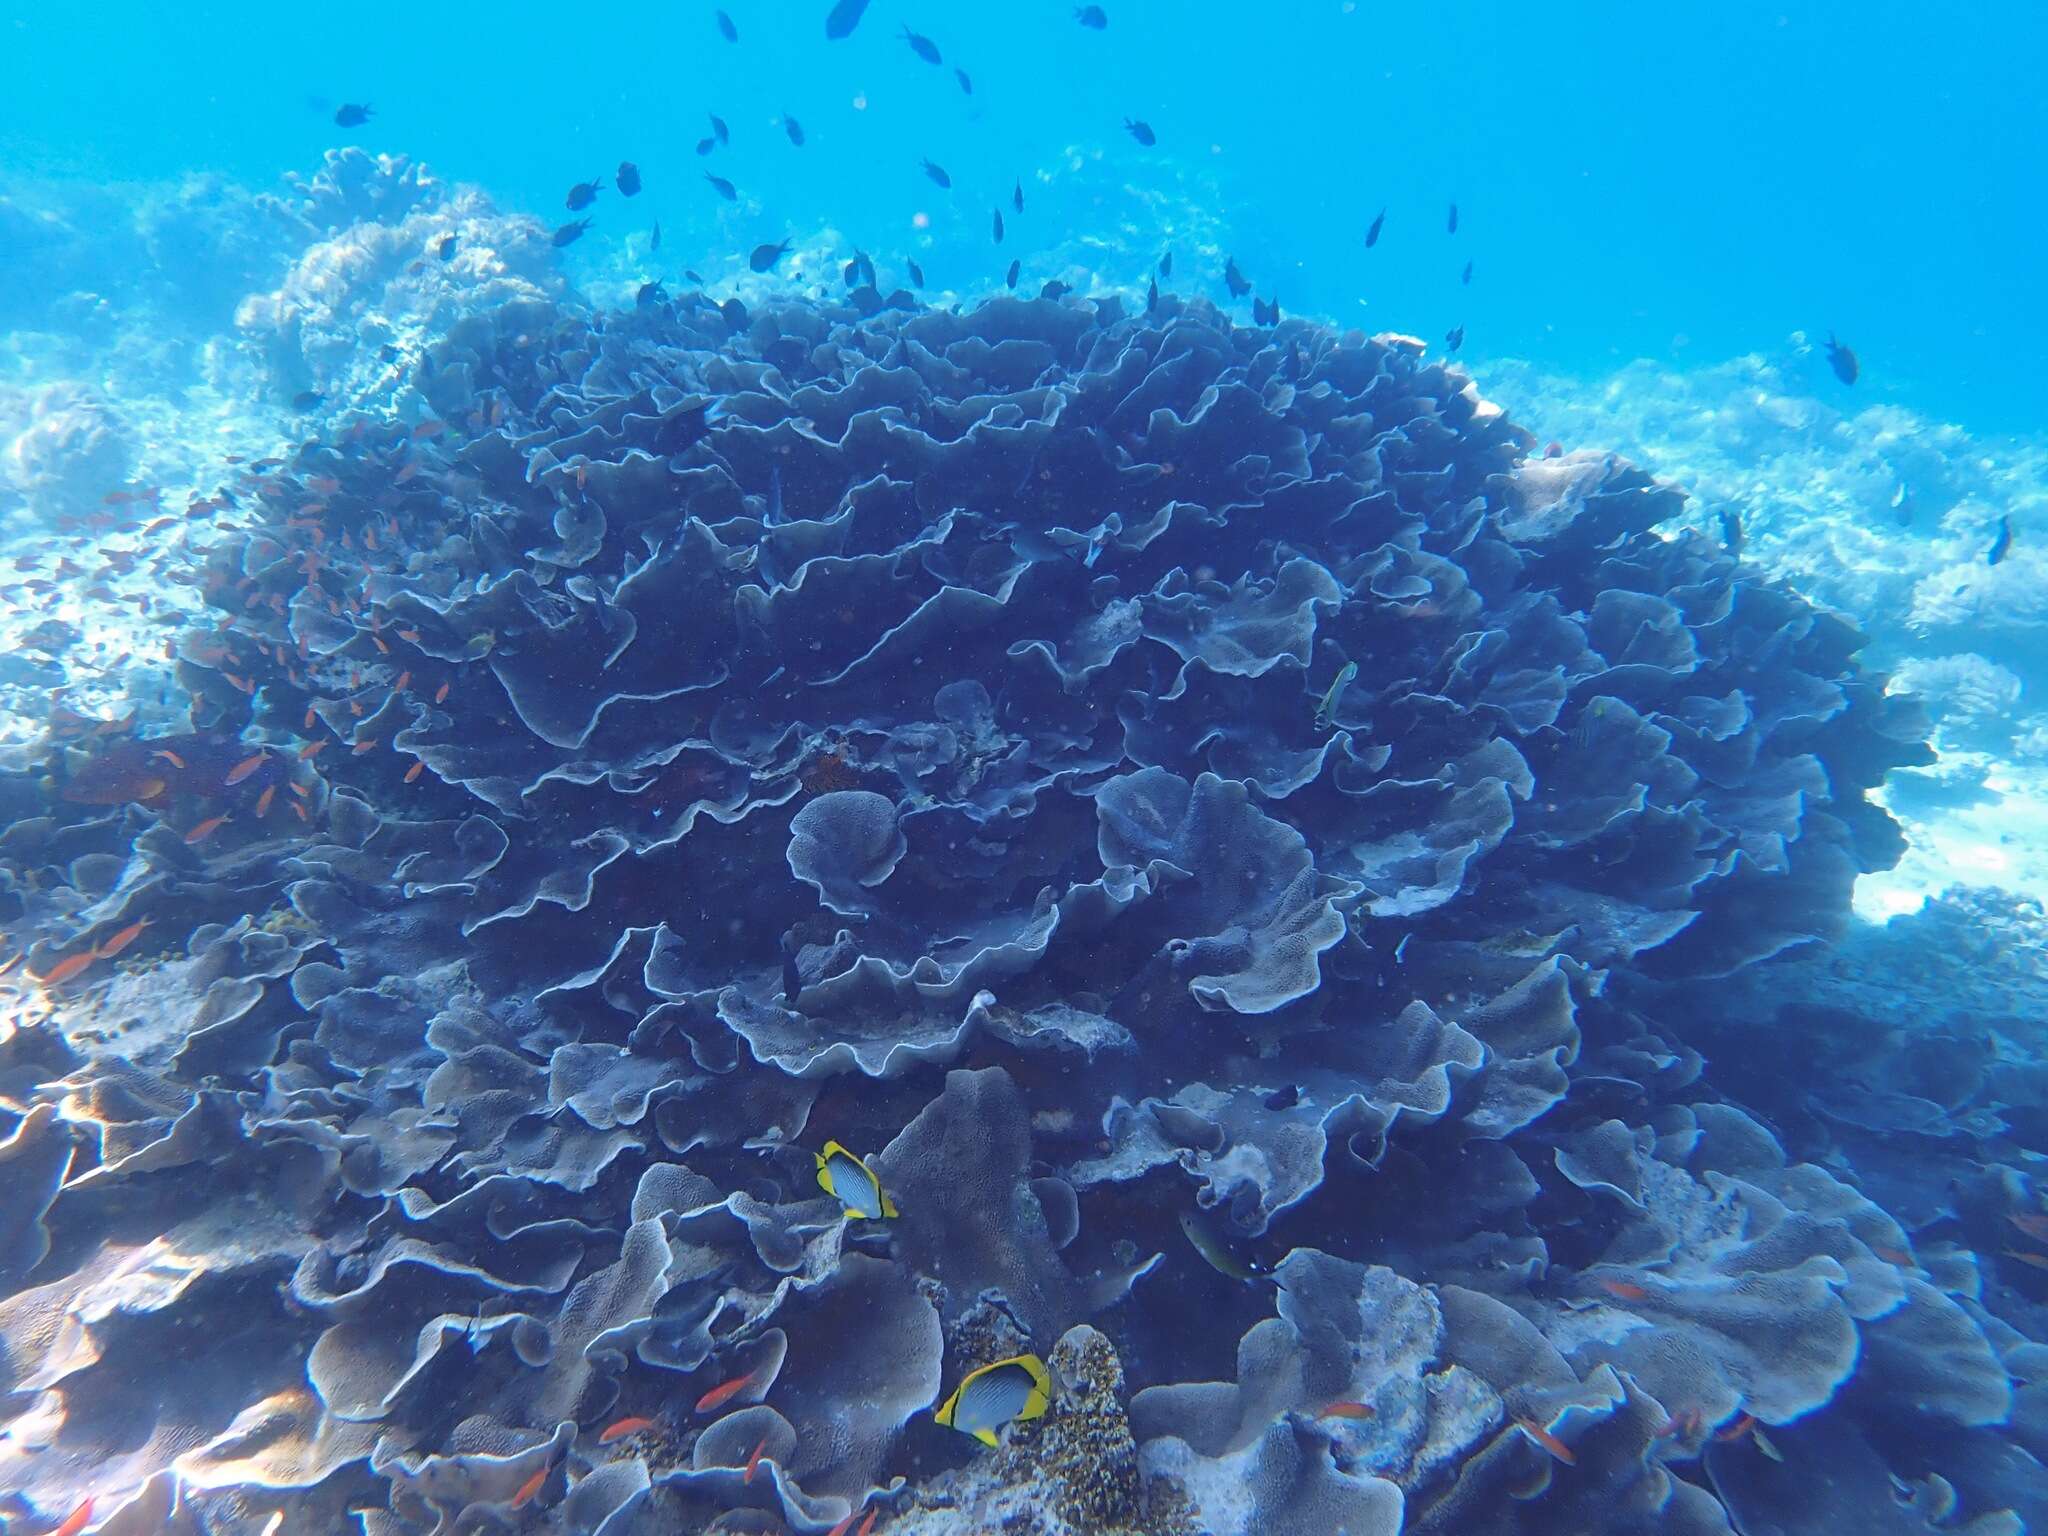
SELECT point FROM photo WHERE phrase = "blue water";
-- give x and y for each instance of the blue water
(1686, 183)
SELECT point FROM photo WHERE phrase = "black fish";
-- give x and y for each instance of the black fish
(1282, 1098)
(571, 232)
(792, 978)
(916, 274)
(1233, 279)
(1454, 219)
(722, 187)
(582, 195)
(1010, 281)
(735, 314)
(1454, 338)
(938, 174)
(1151, 295)
(794, 129)
(1091, 16)
(999, 226)
(1372, 236)
(765, 256)
(628, 178)
(718, 127)
(353, 115)
(446, 248)
(651, 293)
(1731, 529)
(864, 268)
(923, 47)
(1055, 289)
(1466, 276)
(1842, 360)
(966, 85)
(308, 399)
(1265, 313)
(1017, 197)
(1141, 131)
(654, 240)
(843, 18)
(726, 29)
(1166, 264)
(2002, 544)
(705, 146)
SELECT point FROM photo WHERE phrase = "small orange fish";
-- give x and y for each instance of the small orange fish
(300, 790)
(754, 1461)
(845, 1525)
(411, 468)
(429, 428)
(1548, 1441)
(323, 485)
(263, 800)
(355, 708)
(122, 940)
(1347, 1410)
(312, 748)
(67, 968)
(404, 679)
(869, 1523)
(2033, 1223)
(1897, 1256)
(170, 757)
(1742, 1425)
(205, 829)
(310, 717)
(2035, 1260)
(441, 693)
(11, 961)
(76, 1521)
(1682, 1425)
(301, 810)
(244, 768)
(723, 1393)
(414, 771)
(623, 1428)
(409, 636)
(530, 1487)
(367, 745)
(382, 648)
(1627, 1290)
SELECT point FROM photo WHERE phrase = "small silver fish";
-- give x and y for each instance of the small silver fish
(1337, 687)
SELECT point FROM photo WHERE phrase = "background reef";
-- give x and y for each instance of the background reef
(689, 732)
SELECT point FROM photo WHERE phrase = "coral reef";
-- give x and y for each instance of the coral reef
(1264, 802)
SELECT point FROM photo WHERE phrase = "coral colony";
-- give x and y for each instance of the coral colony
(830, 915)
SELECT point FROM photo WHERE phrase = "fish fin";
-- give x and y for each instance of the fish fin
(987, 1437)
(1041, 1387)
(824, 1160)
(943, 1414)
(889, 1211)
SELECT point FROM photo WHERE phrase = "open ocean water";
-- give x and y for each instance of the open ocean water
(1163, 768)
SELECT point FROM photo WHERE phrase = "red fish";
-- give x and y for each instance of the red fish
(441, 693)
(369, 744)
(205, 829)
(67, 968)
(530, 1487)
(413, 772)
(1548, 1441)
(1682, 1425)
(76, 1521)
(623, 1428)
(2033, 1260)
(404, 682)
(869, 1523)
(1627, 1290)
(122, 940)
(723, 1393)
(170, 757)
(843, 1526)
(263, 800)
(1347, 1410)
(1742, 1425)
(2033, 1223)
(312, 748)
(754, 1461)
(244, 768)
